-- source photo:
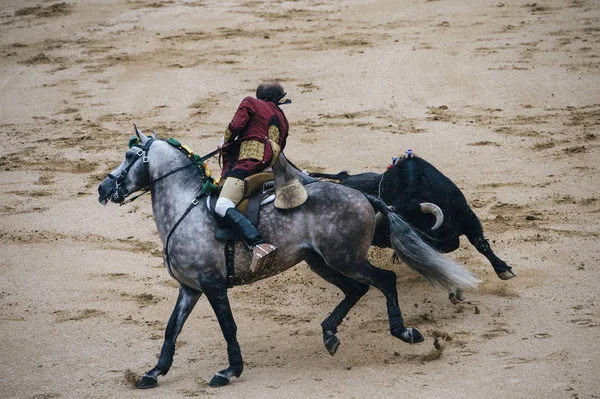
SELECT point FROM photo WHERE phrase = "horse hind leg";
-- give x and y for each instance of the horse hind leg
(186, 301)
(385, 281)
(353, 291)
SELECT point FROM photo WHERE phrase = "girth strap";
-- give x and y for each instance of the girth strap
(229, 262)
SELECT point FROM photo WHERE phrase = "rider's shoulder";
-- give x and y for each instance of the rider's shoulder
(250, 99)
(249, 102)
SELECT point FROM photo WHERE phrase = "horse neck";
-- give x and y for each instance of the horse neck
(172, 195)
(284, 171)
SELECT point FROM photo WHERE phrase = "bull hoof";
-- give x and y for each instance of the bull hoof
(507, 275)
(332, 344)
(219, 380)
(456, 296)
(410, 336)
(146, 382)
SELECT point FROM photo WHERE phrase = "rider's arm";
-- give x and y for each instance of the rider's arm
(240, 119)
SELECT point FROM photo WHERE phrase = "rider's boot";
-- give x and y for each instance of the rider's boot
(262, 253)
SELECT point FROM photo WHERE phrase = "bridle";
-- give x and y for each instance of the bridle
(142, 154)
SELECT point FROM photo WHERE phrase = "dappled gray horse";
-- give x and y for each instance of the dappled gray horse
(331, 231)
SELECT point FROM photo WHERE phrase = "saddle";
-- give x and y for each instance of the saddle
(259, 189)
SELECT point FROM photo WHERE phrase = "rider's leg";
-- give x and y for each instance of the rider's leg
(231, 194)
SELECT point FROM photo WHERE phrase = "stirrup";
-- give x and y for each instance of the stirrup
(262, 256)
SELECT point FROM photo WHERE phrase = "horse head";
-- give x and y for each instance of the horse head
(131, 175)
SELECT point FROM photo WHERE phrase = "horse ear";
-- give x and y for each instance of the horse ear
(139, 133)
(153, 134)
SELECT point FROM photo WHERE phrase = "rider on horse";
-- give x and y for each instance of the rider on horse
(252, 142)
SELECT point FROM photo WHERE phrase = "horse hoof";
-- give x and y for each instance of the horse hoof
(146, 382)
(507, 275)
(410, 336)
(332, 344)
(218, 381)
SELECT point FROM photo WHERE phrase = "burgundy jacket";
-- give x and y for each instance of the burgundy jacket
(251, 139)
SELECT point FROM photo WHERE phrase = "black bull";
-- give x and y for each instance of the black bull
(406, 186)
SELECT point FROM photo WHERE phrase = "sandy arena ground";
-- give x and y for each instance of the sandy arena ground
(503, 96)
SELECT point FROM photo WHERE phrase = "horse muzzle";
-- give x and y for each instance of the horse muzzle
(108, 190)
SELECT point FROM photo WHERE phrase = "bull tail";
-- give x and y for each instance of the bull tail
(412, 250)
(340, 176)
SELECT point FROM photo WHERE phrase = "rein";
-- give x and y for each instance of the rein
(379, 188)
(147, 188)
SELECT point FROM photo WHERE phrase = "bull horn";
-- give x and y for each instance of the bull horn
(428, 207)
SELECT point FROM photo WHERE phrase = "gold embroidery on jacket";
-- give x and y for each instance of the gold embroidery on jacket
(276, 150)
(252, 150)
(273, 133)
(227, 134)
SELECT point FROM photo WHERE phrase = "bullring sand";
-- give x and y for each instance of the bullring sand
(503, 96)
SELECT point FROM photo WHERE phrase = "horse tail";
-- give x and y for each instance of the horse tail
(437, 269)
(340, 176)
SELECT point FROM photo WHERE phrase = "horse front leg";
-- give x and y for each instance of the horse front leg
(216, 292)
(186, 301)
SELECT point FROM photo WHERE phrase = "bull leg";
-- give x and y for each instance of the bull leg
(353, 291)
(186, 301)
(456, 295)
(474, 233)
(385, 281)
(504, 271)
(216, 293)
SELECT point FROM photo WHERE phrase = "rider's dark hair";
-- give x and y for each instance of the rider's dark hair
(270, 91)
